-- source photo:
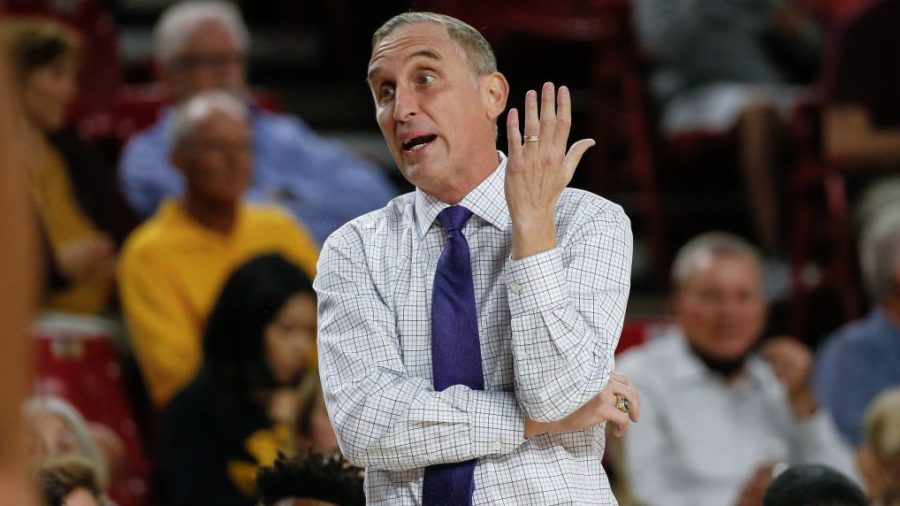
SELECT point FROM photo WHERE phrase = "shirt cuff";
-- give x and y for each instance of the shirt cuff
(535, 283)
(498, 426)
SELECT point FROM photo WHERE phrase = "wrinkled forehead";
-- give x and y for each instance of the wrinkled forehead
(408, 42)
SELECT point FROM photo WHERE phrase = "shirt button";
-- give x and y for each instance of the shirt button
(496, 446)
(514, 287)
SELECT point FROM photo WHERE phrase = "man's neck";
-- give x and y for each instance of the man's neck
(454, 195)
(212, 215)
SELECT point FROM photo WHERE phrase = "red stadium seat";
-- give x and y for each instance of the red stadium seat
(76, 359)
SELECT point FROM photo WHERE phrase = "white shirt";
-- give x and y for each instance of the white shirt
(548, 326)
(700, 439)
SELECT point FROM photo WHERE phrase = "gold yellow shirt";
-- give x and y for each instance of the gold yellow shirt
(65, 223)
(171, 271)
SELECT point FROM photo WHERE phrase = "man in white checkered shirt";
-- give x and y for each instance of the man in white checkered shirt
(551, 273)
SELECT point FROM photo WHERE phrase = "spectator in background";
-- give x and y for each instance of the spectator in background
(82, 214)
(862, 89)
(242, 408)
(59, 430)
(860, 360)
(174, 265)
(70, 481)
(716, 417)
(882, 442)
(813, 485)
(202, 46)
(727, 64)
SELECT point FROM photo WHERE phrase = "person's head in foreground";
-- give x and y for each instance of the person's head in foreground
(813, 485)
(718, 300)
(311, 479)
(437, 95)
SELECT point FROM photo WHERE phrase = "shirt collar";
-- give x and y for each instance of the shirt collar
(487, 201)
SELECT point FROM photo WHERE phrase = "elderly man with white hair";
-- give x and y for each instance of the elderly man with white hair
(716, 418)
(862, 358)
(173, 265)
(202, 46)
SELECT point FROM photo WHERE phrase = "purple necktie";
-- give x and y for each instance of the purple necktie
(455, 350)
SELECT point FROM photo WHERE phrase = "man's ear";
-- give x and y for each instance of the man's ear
(178, 158)
(494, 93)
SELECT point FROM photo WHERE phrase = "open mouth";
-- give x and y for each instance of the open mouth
(417, 143)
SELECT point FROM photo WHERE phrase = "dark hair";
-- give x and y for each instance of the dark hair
(813, 485)
(36, 42)
(61, 476)
(233, 347)
(311, 475)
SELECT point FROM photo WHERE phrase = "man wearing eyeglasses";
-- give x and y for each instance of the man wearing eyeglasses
(201, 46)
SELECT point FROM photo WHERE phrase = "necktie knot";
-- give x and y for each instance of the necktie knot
(454, 217)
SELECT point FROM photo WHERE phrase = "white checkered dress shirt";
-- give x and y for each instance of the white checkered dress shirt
(548, 325)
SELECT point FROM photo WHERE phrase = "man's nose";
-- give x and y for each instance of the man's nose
(405, 104)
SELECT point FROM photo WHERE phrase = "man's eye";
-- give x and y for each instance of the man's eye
(426, 79)
(386, 92)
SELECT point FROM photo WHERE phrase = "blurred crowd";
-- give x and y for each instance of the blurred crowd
(174, 348)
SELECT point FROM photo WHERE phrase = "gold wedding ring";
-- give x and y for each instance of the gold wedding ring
(622, 403)
(532, 138)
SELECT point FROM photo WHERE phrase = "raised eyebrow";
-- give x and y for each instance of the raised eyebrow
(424, 53)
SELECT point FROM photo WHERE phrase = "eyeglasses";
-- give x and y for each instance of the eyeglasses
(209, 60)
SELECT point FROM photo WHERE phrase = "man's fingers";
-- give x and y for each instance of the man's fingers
(563, 115)
(548, 113)
(573, 157)
(532, 124)
(513, 135)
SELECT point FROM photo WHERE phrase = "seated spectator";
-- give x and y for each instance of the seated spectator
(241, 409)
(860, 359)
(715, 416)
(174, 265)
(70, 481)
(725, 65)
(813, 485)
(862, 89)
(202, 46)
(59, 430)
(83, 216)
(311, 479)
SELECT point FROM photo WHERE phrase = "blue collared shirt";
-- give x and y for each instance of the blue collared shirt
(858, 362)
(322, 182)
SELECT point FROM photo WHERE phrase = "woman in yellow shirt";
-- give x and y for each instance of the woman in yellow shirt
(82, 214)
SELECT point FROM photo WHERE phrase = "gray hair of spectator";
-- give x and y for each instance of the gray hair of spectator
(705, 246)
(188, 115)
(882, 427)
(879, 252)
(477, 49)
(87, 446)
(180, 21)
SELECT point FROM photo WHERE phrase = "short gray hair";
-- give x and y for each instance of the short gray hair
(476, 48)
(180, 21)
(186, 116)
(87, 446)
(707, 245)
(879, 251)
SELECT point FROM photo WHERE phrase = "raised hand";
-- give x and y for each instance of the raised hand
(539, 168)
